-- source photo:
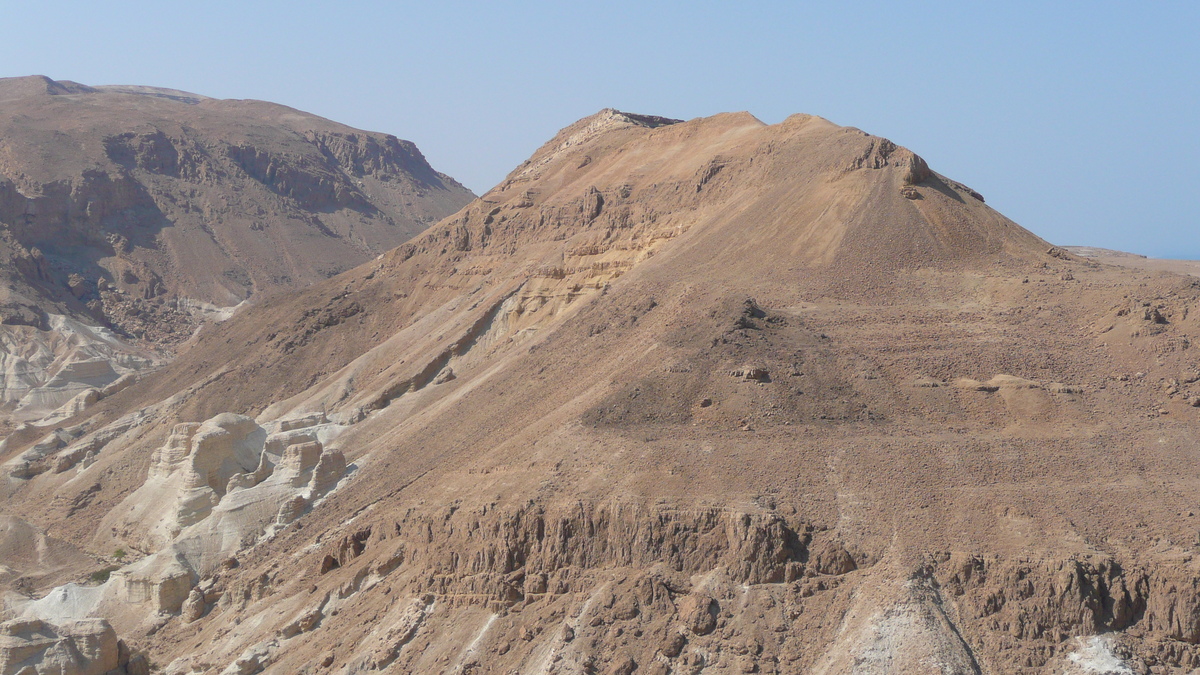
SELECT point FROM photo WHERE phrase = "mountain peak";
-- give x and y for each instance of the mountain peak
(805, 191)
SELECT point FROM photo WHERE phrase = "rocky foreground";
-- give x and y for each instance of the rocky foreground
(676, 397)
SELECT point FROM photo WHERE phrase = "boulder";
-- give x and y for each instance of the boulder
(291, 510)
(193, 607)
(78, 286)
(119, 384)
(163, 581)
(303, 422)
(698, 613)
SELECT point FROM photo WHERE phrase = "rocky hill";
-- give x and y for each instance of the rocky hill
(129, 215)
(676, 397)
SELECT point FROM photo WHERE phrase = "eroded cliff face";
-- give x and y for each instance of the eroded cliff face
(712, 396)
(621, 587)
(146, 212)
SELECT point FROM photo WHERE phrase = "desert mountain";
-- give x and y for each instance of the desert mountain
(130, 214)
(675, 397)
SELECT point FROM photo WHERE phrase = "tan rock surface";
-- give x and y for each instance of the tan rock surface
(74, 648)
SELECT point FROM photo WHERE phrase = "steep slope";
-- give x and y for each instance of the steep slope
(145, 210)
(705, 396)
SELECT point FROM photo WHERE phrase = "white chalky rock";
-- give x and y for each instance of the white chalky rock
(213, 489)
(85, 647)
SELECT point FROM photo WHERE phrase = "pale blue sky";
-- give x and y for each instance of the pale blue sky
(1076, 119)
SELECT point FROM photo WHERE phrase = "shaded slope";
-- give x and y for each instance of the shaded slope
(132, 173)
(145, 210)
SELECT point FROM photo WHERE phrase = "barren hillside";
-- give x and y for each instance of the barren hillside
(129, 215)
(676, 397)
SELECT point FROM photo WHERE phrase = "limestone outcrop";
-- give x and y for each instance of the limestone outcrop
(189, 475)
(213, 489)
(86, 647)
(43, 372)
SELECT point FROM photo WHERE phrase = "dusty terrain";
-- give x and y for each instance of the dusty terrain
(675, 397)
(130, 215)
(1137, 261)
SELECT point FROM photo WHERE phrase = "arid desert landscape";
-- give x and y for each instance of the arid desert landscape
(676, 396)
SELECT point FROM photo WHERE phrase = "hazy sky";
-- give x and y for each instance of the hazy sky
(1076, 119)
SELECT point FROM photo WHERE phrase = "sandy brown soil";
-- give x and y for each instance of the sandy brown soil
(712, 396)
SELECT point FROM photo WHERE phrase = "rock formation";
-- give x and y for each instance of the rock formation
(214, 489)
(89, 647)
